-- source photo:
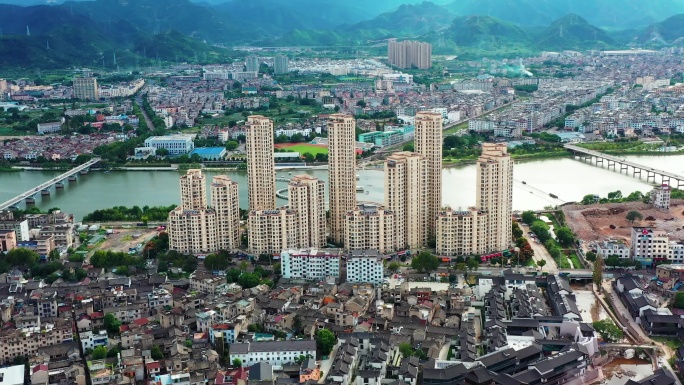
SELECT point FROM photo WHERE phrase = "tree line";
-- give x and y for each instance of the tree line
(135, 213)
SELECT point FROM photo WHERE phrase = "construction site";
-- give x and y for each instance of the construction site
(598, 222)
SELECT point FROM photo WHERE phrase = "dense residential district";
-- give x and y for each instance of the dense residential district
(339, 290)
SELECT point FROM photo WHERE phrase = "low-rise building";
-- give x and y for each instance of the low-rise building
(365, 266)
(90, 340)
(178, 144)
(8, 240)
(48, 128)
(613, 247)
(310, 264)
(276, 353)
(63, 235)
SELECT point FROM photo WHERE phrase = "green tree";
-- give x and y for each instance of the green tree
(597, 274)
(591, 256)
(633, 216)
(589, 199)
(405, 349)
(99, 353)
(112, 324)
(393, 267)
(216, 262)
(326, 340)
(237, 363)
(541, 229)
(529, 217)
(516, 230)
(21, 257)
(615, 195)
(249, 280)
(156, 353)
(231, 145)
(425, 262)
(162, 152)
(565, 236)
(409, 147)
(608, 331)
(679, 300)
(472, 263)
(541, 263)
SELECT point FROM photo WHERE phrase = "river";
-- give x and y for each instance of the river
(566, 178)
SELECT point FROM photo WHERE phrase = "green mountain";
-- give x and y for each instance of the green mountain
(485, 32)
(574, 33)
(605, 13)
(406, 21)
(668, 31)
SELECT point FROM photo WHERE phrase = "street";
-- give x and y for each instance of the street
(540, 252)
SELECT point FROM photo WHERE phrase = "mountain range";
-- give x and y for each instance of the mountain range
(83, 32)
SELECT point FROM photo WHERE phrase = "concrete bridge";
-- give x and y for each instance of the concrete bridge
(595, 157)
(44, 188)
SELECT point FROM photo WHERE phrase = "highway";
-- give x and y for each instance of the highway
(48, 184)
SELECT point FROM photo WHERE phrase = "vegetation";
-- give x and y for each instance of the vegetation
(126, 214)
(679, 300)
(608, 331)
(616, 197)
(425, 262)
(393, 267)
(407, 350)
(121, 261)
(634, 216)
(326, 340)
(597, 274)
(112, 324)
(156, 353)
(99, 353)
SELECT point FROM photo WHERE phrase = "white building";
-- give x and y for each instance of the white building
(365, 266)
(276, 353)
(312, 264)
(91, 340)
(178, 144)
(660, 197)
(47, 128)
(649, 245)
(12, 375)
(613, 247)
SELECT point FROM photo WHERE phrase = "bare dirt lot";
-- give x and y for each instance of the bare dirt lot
(122, 239)
(593, 222)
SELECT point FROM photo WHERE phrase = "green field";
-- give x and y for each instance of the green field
(303, 148)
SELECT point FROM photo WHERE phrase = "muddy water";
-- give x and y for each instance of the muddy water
(590, 309)
(621, 370)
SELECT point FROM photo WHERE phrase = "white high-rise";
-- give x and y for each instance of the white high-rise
(342, 172)
(225, 201)
(406, 195)
(495, 194)
(260, 163)
(428, 143)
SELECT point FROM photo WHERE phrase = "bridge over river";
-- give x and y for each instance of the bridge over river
(596, 157)
(44, 188)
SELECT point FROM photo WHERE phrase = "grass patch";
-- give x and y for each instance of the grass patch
(563, 262)
(576, 263)
(8, 131)
(672, 343)
(303, 148)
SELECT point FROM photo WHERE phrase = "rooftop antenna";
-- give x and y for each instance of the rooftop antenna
(28, 31)
(47, 42)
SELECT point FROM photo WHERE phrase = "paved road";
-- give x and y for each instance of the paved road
(540, 252)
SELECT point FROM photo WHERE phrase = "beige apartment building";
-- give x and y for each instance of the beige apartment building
(342, 172)
(25, 342)
(85, 88)
(495, 194)
(195, 228)
(260, 163)
(409, 54)
(271, 231)
(307, 198)
(193, 187)
(406, 195)
(428, 143)
(370, 227)
(461, 232)
(226, 202)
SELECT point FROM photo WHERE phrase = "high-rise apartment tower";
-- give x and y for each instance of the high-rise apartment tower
(307, 197)
(409, 54)
(260, 163)
(495, 194)
(406, 195)
(342, 172)
(428, 143)
(85, 88)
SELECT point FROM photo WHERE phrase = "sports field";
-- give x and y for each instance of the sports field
(303, 148)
